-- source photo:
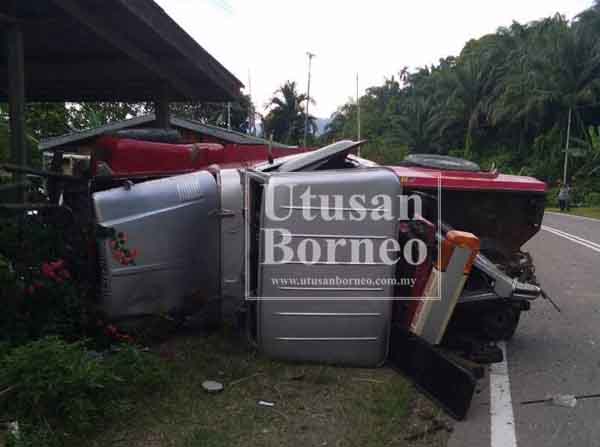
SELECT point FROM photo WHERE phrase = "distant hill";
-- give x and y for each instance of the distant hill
(321, 125)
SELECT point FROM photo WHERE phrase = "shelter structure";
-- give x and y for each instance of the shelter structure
(101, 50)
(192, 131)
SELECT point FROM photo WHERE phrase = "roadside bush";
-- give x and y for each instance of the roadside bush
(33, 436)
(592, 199)
(38, 301)
(69, 390)
(135, 370)
(38, 287)
(55, 381)
(552, 198)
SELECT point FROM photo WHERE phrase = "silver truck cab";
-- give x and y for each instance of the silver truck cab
(326, 310)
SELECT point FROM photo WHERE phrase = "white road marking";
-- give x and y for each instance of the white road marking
(573, 216)
(579, 238)
(571, 237)
(501, 409)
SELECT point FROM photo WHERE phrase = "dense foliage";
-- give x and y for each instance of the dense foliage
(59, 390)
(504, 100)
(63, 370)
(44, 120)
(286, 116)
(238, 114)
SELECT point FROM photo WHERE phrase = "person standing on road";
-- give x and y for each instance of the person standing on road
(563, 197)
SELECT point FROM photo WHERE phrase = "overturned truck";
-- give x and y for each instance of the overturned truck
(325, 256)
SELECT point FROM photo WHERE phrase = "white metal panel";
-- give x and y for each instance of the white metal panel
(346, 324)
(173, 224)
(232, 241)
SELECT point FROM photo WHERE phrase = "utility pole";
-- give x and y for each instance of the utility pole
(163, 113)
(567, 148)
(228, 115)
(252, 112)
(357, 114)
(310, 56)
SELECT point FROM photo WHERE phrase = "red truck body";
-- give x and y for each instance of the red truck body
(137, 158)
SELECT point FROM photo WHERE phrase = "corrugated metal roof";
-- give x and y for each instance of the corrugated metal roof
(220, 133)
(80, 136)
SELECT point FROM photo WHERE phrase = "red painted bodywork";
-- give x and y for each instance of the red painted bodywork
(423, 178)
(136, 158)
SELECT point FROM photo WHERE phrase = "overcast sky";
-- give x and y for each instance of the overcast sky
(268, 39)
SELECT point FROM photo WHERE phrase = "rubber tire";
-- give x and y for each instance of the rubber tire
(500, 323)
(443, 162)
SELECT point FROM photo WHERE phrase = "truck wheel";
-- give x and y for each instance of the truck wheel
(500, 323)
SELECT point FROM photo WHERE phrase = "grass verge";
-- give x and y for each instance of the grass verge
(314, 405)
(585, 212)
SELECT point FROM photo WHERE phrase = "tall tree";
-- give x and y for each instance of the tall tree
(42, 120)
(470, 89)
(88, 115)
(561, 75)
(420, 123)
(286, 115)
(217, 113)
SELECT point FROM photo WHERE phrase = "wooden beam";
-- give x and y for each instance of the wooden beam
(163, 114)
(11, 167)
(71, 91)
(120, 42)
(121, 70)
(16, 99)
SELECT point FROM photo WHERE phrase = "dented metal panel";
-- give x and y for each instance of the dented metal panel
(172, 223)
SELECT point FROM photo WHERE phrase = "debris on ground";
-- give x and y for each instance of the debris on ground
(558, 400)
(563, 400)
(211, 386)
(264, 403)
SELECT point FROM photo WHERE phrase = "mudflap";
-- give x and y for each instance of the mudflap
(433, 372)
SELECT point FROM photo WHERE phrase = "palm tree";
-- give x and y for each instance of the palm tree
(561, 75)
(590, 18)
(470, 89)
(286, 115)
(420, 124)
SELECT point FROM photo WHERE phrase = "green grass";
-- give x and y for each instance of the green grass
(585, 212)
(314, 404)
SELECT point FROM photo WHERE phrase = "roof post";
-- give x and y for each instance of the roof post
(163, 114)
(16, 100)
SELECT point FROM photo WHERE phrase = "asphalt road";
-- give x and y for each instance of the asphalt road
(551, 353)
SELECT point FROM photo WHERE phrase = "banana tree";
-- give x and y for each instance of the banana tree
(588, 151)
